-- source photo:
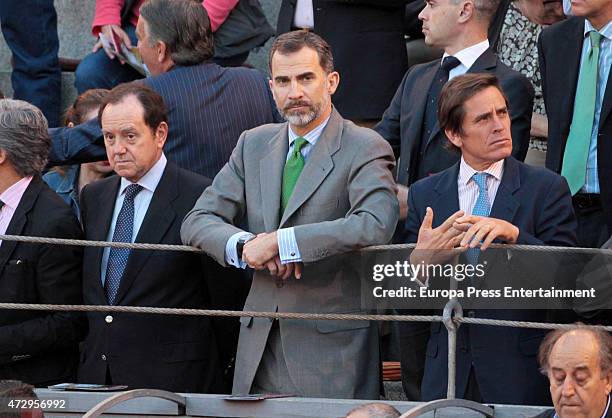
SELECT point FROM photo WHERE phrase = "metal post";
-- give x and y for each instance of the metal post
(452, 310)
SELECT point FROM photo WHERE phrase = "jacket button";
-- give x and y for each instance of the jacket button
(471, 314)
(108, 319)
(104, 357)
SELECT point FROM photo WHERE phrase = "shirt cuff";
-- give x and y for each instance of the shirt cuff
(288, 250)
(231, 255)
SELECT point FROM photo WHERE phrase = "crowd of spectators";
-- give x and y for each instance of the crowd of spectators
(503, 139)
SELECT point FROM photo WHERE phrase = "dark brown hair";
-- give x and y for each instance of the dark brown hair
(291, 42)
(183, 25)
(154, 108)
(456, 92)
(85, 103)
(603, 338)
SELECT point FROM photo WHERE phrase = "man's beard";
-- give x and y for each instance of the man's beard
(302, 118)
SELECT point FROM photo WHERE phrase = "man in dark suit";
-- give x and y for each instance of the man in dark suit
(578, 363)
(410, 123)
(367, 39)
(145, 202)
(37, 347)
(575, 61)
(208, 106)
(488, 196)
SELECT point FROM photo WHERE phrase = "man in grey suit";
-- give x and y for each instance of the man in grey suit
(311, 188)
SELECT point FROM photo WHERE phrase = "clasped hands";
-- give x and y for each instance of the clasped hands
(261, 253)
(461, 231)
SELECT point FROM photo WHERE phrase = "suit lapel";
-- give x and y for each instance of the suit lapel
(271, 175)
(447, 200)
(318, 166)
(569, 60)
(505, 204)
(99, 225)
(607, 103)
(157, 221)
(421, 106)
(19, 219)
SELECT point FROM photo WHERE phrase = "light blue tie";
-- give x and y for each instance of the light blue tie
(481, 208)
(118, 257)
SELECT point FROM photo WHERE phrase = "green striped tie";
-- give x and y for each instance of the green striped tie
(293, 169)
(579, 139)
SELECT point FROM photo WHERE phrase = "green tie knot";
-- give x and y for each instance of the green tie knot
(298, 144)
(595, 39)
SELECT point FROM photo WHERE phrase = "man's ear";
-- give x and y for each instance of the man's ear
(608, 382)
(333, 80)
(2, 156)
(161, 134)
(454, 138)
(162, 51)
(467, 11)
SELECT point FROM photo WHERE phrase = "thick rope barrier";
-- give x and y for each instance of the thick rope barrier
(281, 315)
(188, 248)
(290, 315)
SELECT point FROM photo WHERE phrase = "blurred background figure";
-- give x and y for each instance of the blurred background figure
(30, 31)
(518, 49)
(367, 40)
(68, 180)
(374, 410)
(14, 389)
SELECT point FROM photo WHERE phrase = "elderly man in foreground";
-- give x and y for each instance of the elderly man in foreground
(578, 364)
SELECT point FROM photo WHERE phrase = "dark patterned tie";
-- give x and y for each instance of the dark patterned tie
(118, 257)
(431, 111)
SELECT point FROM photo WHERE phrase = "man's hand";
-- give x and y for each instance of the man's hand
(261, 250)
(433, 243)
(402, 197)
(284, 271)
(482, 229)
(107, 31)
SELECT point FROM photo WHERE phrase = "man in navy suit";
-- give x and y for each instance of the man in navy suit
(488, 196)
(209, 106)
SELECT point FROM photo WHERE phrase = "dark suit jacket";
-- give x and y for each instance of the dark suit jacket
(208, 108)
(175, 353)
(39, 347)
(402, 122)
(560, 47)
(367, 40)
(538, 202)
(551, 413)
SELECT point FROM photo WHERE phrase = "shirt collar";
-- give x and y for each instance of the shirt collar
(469, 55)
(313, 136)
(151, 179)
(606, 31)
(12, 196)
(466, 172)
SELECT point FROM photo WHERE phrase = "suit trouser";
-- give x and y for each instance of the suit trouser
(272, 374)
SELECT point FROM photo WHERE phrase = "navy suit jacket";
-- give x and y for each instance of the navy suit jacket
(208, 108)
(402, 122)
(539, 203)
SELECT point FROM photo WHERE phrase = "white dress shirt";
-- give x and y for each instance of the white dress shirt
(304, 15)
(468, 190)
(467, 57)
(142, 201)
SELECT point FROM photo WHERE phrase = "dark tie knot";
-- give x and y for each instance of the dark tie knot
(132, 190)
(450, 62)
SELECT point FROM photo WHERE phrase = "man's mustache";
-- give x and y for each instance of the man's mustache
(298, 103)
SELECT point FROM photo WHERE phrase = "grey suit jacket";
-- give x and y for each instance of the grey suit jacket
(343, 200)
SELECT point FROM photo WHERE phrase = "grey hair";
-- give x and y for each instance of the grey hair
(24, 136)
(603, 338)
(376, 410)
(183, 25)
